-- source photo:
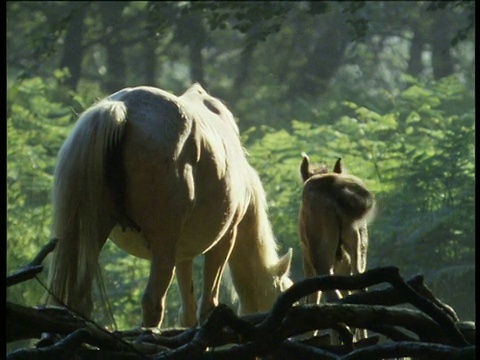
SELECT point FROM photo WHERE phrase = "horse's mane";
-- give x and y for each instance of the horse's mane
(318, 169)
(260, 204)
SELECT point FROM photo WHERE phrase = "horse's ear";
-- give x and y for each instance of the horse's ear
(304, 168)
(282, 267)
(338, 166)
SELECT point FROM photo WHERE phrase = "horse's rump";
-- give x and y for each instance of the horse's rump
(176, 160)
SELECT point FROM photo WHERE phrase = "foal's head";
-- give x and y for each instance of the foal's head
(307, 170)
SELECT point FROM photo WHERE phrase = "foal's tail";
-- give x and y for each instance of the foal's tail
(356, 206)
(84, 203)
(352, 198)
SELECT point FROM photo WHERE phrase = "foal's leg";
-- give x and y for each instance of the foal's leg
(308, 272)
(362, 248)
(318, 260)
(356, 244)
(343, 266)
(324, 257)
(215, 260)
(188, 311)
(324, 245)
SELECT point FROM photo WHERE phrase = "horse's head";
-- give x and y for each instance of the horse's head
(259, 293)
(280, 271)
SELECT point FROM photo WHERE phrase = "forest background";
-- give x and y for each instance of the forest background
(387, 86)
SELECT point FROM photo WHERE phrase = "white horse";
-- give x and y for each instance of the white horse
(166, 178)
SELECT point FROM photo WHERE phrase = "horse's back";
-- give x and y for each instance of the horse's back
(165, 122)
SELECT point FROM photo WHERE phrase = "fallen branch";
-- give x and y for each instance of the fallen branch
(412, 349)
(32, 269)
(431, 330)
(357, 282)
(29, 322)
(391, 296)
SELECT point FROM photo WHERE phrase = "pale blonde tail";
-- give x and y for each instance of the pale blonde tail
(84, 203)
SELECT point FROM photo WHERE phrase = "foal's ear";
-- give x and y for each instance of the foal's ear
(304, 167)
(338, 166)
(282, 267)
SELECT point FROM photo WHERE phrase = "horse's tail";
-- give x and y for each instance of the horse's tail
(84, 203)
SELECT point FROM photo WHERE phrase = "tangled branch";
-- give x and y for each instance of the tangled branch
(431, 329)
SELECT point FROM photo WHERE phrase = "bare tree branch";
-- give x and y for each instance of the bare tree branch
(431, 330)
(32, 269)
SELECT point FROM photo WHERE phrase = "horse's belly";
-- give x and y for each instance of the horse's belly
(199, 234)
(131, 241)
(197, 240)
(204, 227)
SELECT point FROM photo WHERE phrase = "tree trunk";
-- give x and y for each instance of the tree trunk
(110, 13)
(324, 60)
(415, 66)
(243, 68)
(72, 50)
(442, 62)
(150, 60)
(191, 32)
(196, 43)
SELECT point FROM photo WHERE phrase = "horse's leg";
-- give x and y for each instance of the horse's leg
(188, 311)
(215, 260)
(162, 268)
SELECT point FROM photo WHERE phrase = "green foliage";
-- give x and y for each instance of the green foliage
(242, 16)
(417, 155)
(36, 126)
